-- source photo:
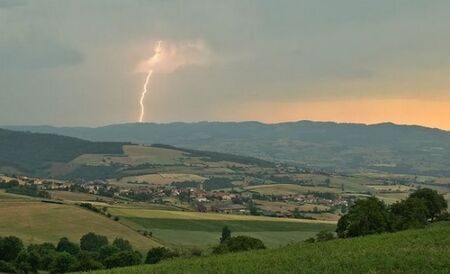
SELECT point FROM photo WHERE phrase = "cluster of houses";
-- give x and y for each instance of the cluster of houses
(213, 201)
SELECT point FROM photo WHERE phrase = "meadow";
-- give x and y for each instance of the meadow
(412, 251)
(181, 228)
(37, 222)
(286, 189)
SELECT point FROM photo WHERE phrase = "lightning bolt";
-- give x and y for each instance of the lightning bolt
(144, 92)
(153, 59)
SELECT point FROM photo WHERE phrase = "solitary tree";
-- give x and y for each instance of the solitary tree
(226, 234)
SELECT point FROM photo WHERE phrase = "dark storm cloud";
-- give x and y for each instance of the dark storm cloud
(4, 4)
(28, 55)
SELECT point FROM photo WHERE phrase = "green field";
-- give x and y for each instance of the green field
(288, 189)
(413, 251)
(37, 222)
(177, 228)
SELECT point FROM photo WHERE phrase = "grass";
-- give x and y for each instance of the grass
(287, 189)
(10, 196)
(157, 179)
(413, 251)
(133, 155)
(76, 196)
(37, 222)
(287, 207)
(188, 215)
(183, 228)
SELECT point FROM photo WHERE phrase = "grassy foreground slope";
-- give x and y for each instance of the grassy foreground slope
(413, 251)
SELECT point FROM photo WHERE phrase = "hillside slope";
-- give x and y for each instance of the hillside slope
(38, 222)
(348, 147)
(32, 152)
(414, 251)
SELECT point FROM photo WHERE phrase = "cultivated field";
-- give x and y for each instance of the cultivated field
(37, 222)
(158, 179)
(76, 196)
(183, 228)
(287, 189)
(133, 155)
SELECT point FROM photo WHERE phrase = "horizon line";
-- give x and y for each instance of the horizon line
(229, 122)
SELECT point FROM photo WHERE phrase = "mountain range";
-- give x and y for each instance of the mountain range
(342, 147)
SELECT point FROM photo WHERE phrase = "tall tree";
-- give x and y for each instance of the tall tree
(226, 234)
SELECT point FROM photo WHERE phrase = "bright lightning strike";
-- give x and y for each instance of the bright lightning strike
(153, 59)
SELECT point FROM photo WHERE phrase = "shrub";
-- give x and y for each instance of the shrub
(324, 236)
(10, 247)
(155, 255)
(6, 267)
(122, 244)
(93, 242)
(239, 243)
(63, 262)
(64, 245)
(87, 261)
(123, 258)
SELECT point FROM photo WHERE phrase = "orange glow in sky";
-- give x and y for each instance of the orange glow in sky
(368, 111)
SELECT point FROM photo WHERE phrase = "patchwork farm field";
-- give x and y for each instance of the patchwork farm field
(133, 155)
(157, 179)
(76, 196)
(177, 228)
(37, 222)
(286, 189)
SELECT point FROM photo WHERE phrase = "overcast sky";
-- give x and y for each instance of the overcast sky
(79, 62)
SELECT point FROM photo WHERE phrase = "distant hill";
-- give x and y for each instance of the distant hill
(31, 153)
(326, 145)
(61, 157)
(411, 251)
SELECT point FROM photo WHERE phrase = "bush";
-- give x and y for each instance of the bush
(155, 255)
(87, 261)
(63, 262)
(6, 267)
(46, 251)
(64, 245)
(323, 236)
(122, 244)
(239, 243)
(10, 247)
(93, 242)
(123, 258)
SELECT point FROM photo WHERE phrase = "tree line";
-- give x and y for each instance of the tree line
(371, 215)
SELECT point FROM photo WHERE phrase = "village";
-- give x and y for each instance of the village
(188, 196)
